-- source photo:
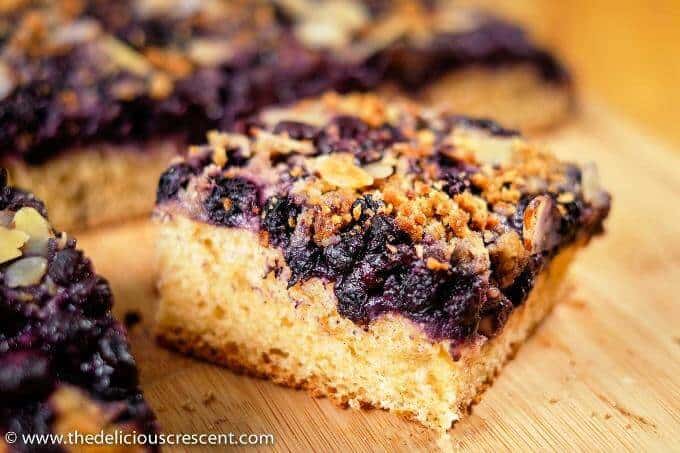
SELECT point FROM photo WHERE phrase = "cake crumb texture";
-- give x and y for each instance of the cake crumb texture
(220, 301)
(96, 184)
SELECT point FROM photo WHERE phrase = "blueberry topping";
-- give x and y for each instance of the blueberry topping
(60, 332)
(233, 202)
(280, 216)
(172, 180)
(24, 374)
(296, 130)
(488, 125)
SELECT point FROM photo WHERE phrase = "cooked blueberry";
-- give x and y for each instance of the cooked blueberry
(456, 182)
(24, 374)
(326, 144)
(280, 215)
(519, 290)
(59, 333)
(304, 258)
(172, 180)
(415, 290)
(349, 127)
(352, 297)
(383, 231)
(296, 130)
(232, 201)
(68, 266)
(340, 256)
(486, 124)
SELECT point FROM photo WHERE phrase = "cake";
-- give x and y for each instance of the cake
(65, 363)
(377, 253)
(96, 96)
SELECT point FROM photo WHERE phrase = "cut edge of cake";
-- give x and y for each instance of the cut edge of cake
(97, 184)
(296, 337)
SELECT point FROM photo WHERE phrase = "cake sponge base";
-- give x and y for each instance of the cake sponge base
(96, 184)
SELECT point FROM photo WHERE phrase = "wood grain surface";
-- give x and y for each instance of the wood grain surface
(601, 373)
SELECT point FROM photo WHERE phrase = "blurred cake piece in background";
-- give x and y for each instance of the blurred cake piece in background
(95, 95)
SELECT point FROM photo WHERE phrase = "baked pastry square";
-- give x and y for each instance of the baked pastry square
(65, 363)
(375, 253)
(96, 96)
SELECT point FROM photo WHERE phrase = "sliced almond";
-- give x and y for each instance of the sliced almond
(206, 52)
(219, 156)
(281, 144)
(590, 184)
(36, 227)
(227, 141)
(341, 171)
(31, 222)
(11, 242)
(77, 32)
(509, 257)
(322, 35)
(379, 170)
(217, 138)
(160, 86)
(331, 24)
(26, 272)
(486, 148)
(7, 81)
(541, 219)
(125, 57)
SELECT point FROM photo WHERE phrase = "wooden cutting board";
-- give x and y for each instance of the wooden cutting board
(601, 373)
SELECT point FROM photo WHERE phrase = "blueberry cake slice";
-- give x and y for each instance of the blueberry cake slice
(380, 254)
(65, 363)
(97, 95)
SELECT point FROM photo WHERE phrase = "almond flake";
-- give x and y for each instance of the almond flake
(32, 223)
(487, 149)
(77, 32)
(126, 57)
(11, 242)
(540, 231)
(379, 170)
(590, 185)
(280, 144)
(207, 52)
(26, 272)
(341, 171)
(7, 82)
(331, 24)
(36, 227)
